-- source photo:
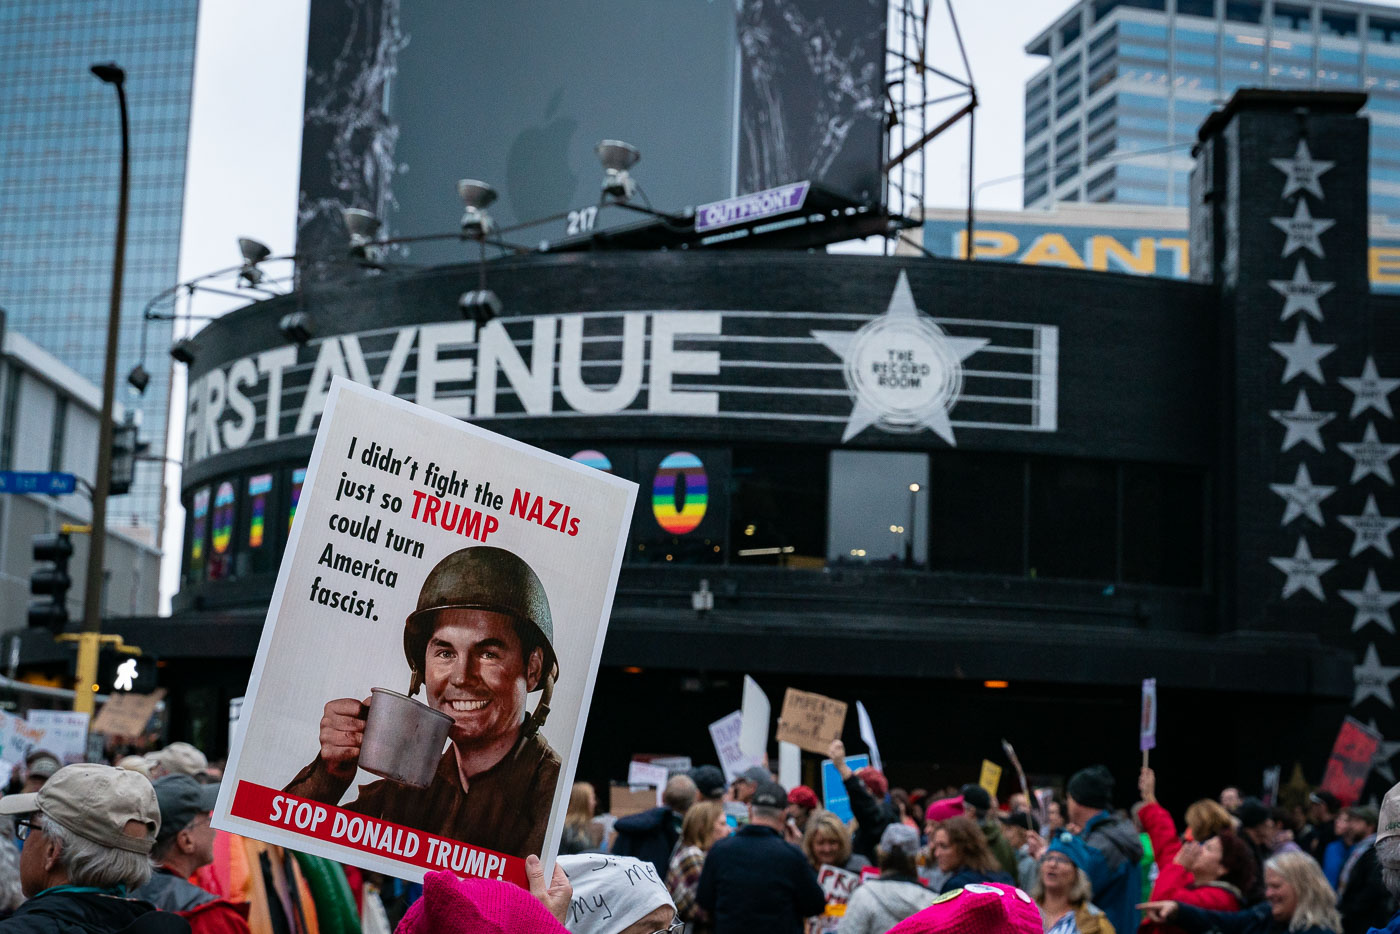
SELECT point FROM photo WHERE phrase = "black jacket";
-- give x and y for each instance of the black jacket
(71, 912)
(873, 817)
(757, 881)
(650, 835)
(1364, 902)
(1256, 920)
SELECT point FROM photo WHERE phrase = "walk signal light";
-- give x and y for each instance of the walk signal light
(50, 582)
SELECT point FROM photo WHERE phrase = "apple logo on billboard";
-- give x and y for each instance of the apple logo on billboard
(538, 178)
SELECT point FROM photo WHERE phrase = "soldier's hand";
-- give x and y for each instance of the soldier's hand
(342, 732)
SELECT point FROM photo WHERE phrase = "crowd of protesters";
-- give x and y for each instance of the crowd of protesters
(96, 849)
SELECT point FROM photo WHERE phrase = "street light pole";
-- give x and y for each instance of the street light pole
(909, 542)
(89, 640)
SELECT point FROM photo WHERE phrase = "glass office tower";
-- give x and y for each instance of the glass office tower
(1113, 116)
(61, 141)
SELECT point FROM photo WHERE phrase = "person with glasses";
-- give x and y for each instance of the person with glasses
(617, 895)
(184, 844)
(87, 835)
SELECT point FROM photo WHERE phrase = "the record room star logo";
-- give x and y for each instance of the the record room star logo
(903, 371)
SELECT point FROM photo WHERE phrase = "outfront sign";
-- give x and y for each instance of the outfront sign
(895, 370)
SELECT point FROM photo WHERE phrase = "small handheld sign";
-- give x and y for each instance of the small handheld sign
(1147, 732)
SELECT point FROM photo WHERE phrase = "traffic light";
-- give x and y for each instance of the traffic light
(51, 582)
(126, 448)
(119, 672)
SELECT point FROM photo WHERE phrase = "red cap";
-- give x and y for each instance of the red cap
(804, 797)
(944, 808)
(874, 780)
(980, 908)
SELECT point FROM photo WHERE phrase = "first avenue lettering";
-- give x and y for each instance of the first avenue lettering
(228, 404)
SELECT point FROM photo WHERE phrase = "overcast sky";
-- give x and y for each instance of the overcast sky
(245, 139)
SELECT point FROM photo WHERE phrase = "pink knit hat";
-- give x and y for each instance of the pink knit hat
(944, 808)
(976, 909)
(476, 906)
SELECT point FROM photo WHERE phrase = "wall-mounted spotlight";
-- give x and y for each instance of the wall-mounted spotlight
(480, 305)
(477, 196)
(297, 327)
(617, 157)
(183, 351)
(253, 252)
(362, 225)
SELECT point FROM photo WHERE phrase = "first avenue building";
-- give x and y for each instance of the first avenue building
(984, 499)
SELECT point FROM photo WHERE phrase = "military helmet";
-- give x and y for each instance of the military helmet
(479, 578)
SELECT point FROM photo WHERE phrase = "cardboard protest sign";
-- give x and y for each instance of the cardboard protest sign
(434, 559)
(757, 713)
(867, 735)
(837, 885)
(990, 777)
(1147, 733)
(1350, 762)
(127, 714)
(725, 733)
(65, 733)
(834, 797)
(624, 801)
(810, 721)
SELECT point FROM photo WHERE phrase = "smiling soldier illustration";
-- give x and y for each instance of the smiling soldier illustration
(480, 640)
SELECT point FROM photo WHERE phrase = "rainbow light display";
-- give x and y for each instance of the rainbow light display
(201, 509)
(679, 495)
(298, 478)
(258, 488)
(223, 517)
(595, 459)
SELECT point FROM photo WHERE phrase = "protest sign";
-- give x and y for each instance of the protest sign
(724, 733)
(1350, 762)
(867, 735)
(1272, 776)
(429, 557)
(834, 795)
(810, 721)
(127, 714)
(789, 765)
(837, 885)
(17, 738)
(753, 738)
(673, 765)
(624, 801)
(1147, 733)
(990, 777)
(65, 733)
(646, 773)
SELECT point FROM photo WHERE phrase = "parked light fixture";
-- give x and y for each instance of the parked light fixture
(617, 157)
(254, 252)
(297, 327)
(477, 196)
(362, 225)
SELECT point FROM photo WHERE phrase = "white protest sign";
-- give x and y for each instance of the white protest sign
(17, 738)
(65, 733)
(1147, 734)
(758, 715)
(789, 765)
(867, 735)
(646, 773)
(724, 733)
(837, 885)
(429, 557)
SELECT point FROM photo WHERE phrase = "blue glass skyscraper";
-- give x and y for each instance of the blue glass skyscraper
(1113, 115)
(61, 144)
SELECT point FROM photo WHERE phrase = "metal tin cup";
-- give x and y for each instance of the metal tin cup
(403, 738)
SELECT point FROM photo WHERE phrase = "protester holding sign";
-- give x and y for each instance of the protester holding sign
(879, 904)
(867, 790)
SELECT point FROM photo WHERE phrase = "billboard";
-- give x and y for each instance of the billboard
(405, 97)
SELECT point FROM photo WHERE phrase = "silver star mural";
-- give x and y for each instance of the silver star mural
(1302, 571)
(1302, 171)
(1373, 679)
(1370, 390)
(1301, 424)
(1372, 530)
(903, 371)
(1372, 604)
(1371, 456)
(1301, 355)
(1302, 230)
(1384, 753)
(1301, 293)
(1302, 497)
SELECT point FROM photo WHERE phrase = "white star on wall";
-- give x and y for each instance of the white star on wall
(1384, 753)
(1301, 423)
(1303, 231)
(1373, 679)
(1302, 497)
(1371, 456)
(1303, 571)
(1301, 293)
(1301, 355)
(1372, 604)
(1372, 530)
(1370, 390)
(1303, 171)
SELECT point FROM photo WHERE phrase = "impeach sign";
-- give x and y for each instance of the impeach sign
(810, 721)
